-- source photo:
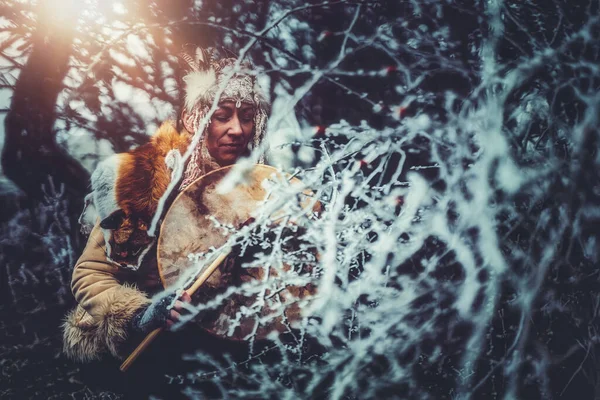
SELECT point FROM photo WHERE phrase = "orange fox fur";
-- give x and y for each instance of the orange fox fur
(143, 174)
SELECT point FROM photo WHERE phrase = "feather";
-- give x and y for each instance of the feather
(202, 58)
(191, 64)
(197, 85)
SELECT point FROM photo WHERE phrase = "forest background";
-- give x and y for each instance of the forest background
(453, 143)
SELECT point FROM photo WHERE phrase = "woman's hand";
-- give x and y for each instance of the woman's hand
(163, 312)
(175, 313)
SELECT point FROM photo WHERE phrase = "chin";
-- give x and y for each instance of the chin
(229, 159)
(224, 162)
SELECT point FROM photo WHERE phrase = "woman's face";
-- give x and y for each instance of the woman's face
(230, 132)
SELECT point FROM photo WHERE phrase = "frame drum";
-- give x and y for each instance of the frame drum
(242, 300)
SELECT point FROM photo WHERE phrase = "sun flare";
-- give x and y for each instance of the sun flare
(64, 11)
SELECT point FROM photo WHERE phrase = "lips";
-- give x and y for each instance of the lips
(232, 147)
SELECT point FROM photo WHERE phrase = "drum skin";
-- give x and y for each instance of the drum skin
(200, 220)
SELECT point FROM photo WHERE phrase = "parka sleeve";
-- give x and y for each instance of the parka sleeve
(94, 277)
(106, 304)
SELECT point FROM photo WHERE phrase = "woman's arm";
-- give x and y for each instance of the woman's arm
(96, 281)
(110, 309)
(107, 304)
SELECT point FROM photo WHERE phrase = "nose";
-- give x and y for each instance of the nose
(235, 126)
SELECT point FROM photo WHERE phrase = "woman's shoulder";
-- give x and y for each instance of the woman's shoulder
(167, 138)
(146, 171)
(134, 181)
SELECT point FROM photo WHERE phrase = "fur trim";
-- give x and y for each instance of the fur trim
(86, 338)
(89, 215)
(197, 85)
(126, 302)
(81, 341)
(103, 186)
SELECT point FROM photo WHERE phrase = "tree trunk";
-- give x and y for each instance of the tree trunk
(31, 154)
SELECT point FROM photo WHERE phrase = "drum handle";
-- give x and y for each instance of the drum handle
(152, 335)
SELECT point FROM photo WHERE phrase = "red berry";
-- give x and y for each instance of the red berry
(323, 35)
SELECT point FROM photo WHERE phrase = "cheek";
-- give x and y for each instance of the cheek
(212, 134)
(248, 130)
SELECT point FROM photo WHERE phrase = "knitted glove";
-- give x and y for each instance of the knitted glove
(155, 315)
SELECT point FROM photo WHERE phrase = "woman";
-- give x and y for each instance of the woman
(113, 280)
